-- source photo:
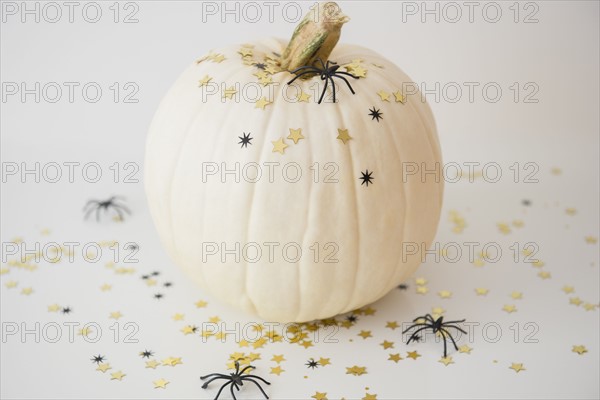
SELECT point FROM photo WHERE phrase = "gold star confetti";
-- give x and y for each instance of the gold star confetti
(579, 349)
(392, 325)
(265, 80)
(229, 92)
(106, 287)
(103, 367)
(516, 295)
(356, 370)
(214, 319)
(575, 301)
(421, 281)
(117, 376)
(278, 358)
(319, 396)
(591, 239)
(115, 315)
(446, 360)
(160, 384)
(53, 308)
(306, 343)
(204, 81)
(503, 228)
(509, 308)
(27, 291)
(413, 354)
(188, 330)
(86, 331)
(276, 370)
(245, 52)
(437, 311)
(478, 262)
(568, 289)
(217, 58)
(422, 290)
(11, 284)
(589, 306)
(387, 345)
(517, 223)
(556, 171)
(295, 135)
(279, 146)
(343, 135)
(570, 211)
(324, 361)
(465, 349)
(4, 270)
(544, 274)
(400, 98)
(365, 334)
(262, 103)
(445, 294)
(178, 317)
(152, 364)
(383, 95)
(303, 97)
(200, 304)
(395, 357)
(369, 396)
(538, 263)
(369, 311)
(517, 367)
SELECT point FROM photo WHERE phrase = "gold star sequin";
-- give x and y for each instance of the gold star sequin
(278, 358)
(152, 364)
(575, 301)
(178, 317)
(544, 274)
(356, 370)
(568, 289)
(200, 304)
(319, 396)
(395, 357)
(421, 281)
(306, 344)
(53, 308)
(85, 331)
(262, 103)
(279, 146)
(117, 376)
(383, 95)
(465, 349)
(103, 367)
(295, 135)
(229, 92)
(369, 311)
(276, 370)
(343, 135)
(589, 306)
(387, 345)
(260, 343)
(422, 290)
(413, 354)
(303, 97)
(365, 334)
(369, 397)
(516, 295)
(188, 330)
(324, 361)
(579, 349)
(399, 97)
(115, 315)
(509, 308)
(538, 263)
(392, 325)
(570, 211)
(591, 239)
(481, 291)
(445, 294)
(358, 71)
(204, 81)
(160, 384)
(214, 319)
(517, 367)
(26, 291)
(446, 360)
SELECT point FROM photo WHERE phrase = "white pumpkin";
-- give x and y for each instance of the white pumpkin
(199, 212)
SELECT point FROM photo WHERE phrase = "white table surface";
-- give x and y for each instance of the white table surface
(559, 134)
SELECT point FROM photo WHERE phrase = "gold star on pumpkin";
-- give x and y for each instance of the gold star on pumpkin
(278, 358)
(395, 357)
(303, 97)
(295, 135)
(217, 58)
(383, 95)
(53, 308)
(262, 103)
(481, 291)
(365, 334)
(517, 367)
(276, 370)
(465, 349)
(117, 376)
(579, 349)
(358, 71)
(319, 396)
(204, 81)
(509, 308)
(356, 370)
(568, 289)
(392, 325)
(399, 97)
(343, 135)
(387, 345)
(160, 384)
(152, 364)
(324, 361)
(446, 360)
(245, 52)
(279, 146)
(103, 367)
(413, 354)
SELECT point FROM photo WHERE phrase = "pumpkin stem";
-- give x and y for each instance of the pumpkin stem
(315, 36)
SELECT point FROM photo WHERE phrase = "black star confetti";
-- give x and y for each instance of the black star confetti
(260, 65)
(312, 364)
(352, 318)
(155, 273)
(167, 284)
(66, 310)
(367, 177)
(146, 354)
(145, 277)
(526, 202)
(402, 286)
(97, 359)
(158, 296)
(245, 139)
(375, 114)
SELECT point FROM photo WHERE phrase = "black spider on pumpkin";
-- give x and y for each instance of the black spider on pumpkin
(437, 326)
(235, 379)
(327, 72)
(106, 205)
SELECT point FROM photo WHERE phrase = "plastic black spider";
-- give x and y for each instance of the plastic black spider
(110, 203)
(328, 71)
(437, 326)
(236, 379)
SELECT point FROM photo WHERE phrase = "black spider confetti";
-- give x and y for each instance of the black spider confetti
(328, 71)
(97, 359)
(235, 379)
(437, 326)
(312, 364)
(95, 205)
(146, 354)
(375, 114)
(245, 140)
(367, 177)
